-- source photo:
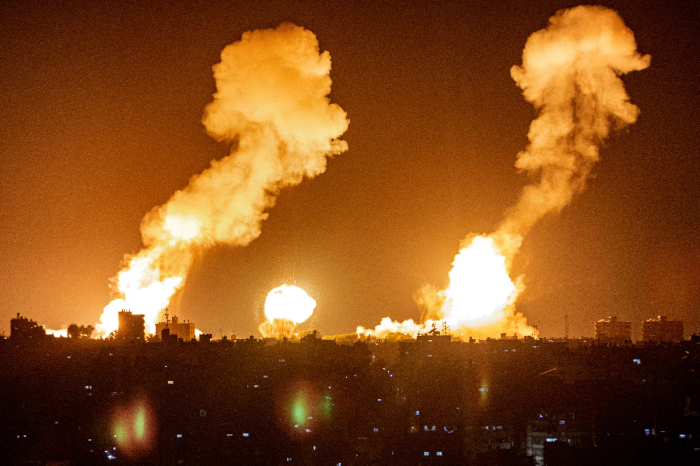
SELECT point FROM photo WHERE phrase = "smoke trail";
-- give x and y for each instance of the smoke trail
(571, 74)
(272, 104)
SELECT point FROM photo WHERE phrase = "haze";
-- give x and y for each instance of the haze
(101, 121)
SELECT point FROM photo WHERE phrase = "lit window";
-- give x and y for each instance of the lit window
(288, 459)
(229, 435)
(549, 439)
(88, 387)
(376, 429)
(426, 453)
(178, 435)
(438, 453)
(562, 422)
(308, 430)
(311, 417)
(417, 413)
(245, 434)
(170, 382)
(314, 447)
(682, 435)
(637, 361)
(379, 399)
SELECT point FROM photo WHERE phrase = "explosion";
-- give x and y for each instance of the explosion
(571, 74)
(285, 307)
(272, 103)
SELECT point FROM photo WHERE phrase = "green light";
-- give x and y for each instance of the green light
(327, 406)
(120, 433)
(484, 390)
(299, 411)
(140, 423)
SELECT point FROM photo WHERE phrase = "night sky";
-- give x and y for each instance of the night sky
(100, 120)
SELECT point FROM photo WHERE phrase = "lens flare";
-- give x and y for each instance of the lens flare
(285, 307)
(302, 408)
(140, 423)
(134, 428)
(299, 411)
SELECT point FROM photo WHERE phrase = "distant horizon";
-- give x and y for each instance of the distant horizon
(103, 121)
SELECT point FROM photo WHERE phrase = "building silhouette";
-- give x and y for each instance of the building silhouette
(176, 329)
(131, 326)
(662, 329)
(613, 331)
(312, 401)
(22, 328)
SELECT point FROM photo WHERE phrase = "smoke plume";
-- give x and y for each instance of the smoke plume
(571, 74)
(272, 105)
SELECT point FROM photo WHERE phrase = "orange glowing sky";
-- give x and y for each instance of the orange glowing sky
(101, 120)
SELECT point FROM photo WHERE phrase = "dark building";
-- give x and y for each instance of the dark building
(177, 329)
(131, 326)
(418, 402)
(662, 329)
(22, 328)
(613, 331)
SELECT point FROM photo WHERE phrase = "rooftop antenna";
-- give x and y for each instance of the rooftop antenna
(445, 328)
(167, 318)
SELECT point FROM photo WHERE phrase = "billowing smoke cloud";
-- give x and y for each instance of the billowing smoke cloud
(272, 104)
(571, 74)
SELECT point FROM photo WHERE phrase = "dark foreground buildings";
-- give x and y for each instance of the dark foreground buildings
(429, 401)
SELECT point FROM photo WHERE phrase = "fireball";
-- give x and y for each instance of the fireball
(285, 307)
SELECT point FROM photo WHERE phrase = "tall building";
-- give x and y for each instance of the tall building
(131, 326)
(184, 330)
(662, 329)
(24, 329)
(613, 331)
